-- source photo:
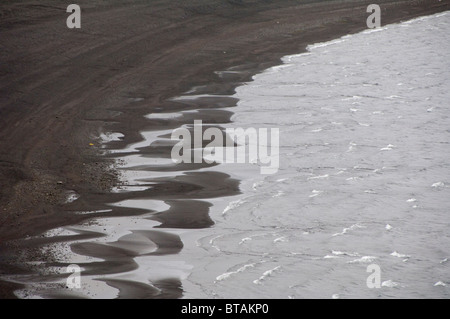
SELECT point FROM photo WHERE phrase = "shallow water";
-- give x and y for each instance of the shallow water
(364, 176)
(363, 179)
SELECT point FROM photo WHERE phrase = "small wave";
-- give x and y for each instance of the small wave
(229, 274)
(440, 283)
(94, 212)
(387, 148)
(389, 284)
(243, 240)
(212, 242)
(343, 253)
(280, 239)
(363, 260)
(438, 185)
(315, 193)
(396, 254)
(318, 177)
(256, 185)
(266, 274)
(323, 44)
(331, 257)
(346, 230)
(374, 30)
(278, 194)
(233, 205)
(394, 97)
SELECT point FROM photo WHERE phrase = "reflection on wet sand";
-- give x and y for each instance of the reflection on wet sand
(119, 250)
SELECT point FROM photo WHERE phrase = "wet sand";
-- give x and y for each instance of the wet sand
(60, 88)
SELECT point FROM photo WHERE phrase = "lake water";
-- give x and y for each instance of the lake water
(364, 177)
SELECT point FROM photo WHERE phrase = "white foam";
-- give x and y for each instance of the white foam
(315, 193)
(94, 212)
(438, 185)
(331, 257)
(363, 260)
(266, 274)
(440, 283)
(280, 239)
(318, 177)
(318, 45)
(344, 253)
(396, 254)
(257, 184)
(229, 274)
(212, 242)
(368, 31)
(232, 205)
(389, 284)
(346, 230)
(387, 148)
(278, 194)
(243, 240)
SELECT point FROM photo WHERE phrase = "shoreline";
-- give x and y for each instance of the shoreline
(35, 168)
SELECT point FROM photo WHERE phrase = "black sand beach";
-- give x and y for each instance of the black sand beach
(61, 88)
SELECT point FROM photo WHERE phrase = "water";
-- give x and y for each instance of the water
(363, 179)
(364, 176)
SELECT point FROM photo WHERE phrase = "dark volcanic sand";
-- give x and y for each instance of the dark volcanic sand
(60, 88)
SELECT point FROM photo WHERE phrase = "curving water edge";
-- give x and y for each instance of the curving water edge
(364, 179)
